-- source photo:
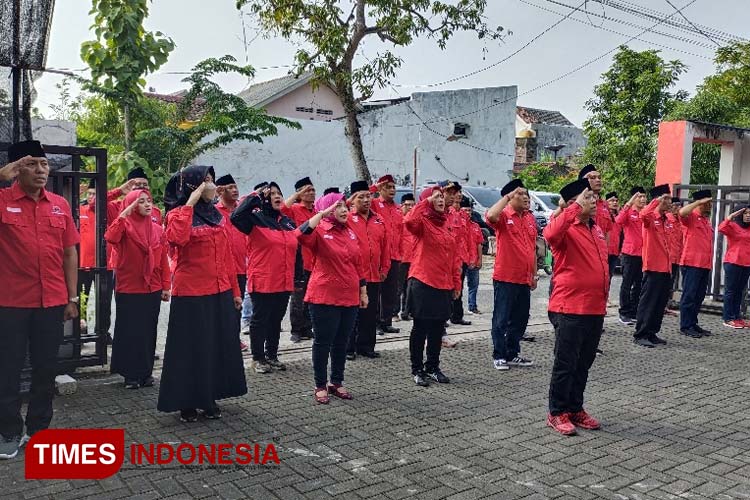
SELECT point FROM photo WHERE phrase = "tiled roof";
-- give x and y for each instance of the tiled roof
(531, 115)
(261, 93)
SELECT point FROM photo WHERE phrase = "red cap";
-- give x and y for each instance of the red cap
(386, 178)
(374, 188)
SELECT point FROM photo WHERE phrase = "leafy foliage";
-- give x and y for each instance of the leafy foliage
(546, 176)
(332, 31)
(627, 107)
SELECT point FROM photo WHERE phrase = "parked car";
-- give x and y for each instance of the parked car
(543, 203)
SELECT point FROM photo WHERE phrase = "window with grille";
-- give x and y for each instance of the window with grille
(324, 111)
(302, 109)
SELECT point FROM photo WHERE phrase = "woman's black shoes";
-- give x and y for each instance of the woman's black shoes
(212, 414)
(189, 416)
(132, 384)
(421, 379)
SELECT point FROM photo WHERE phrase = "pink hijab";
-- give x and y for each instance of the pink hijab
(438, 218)
(326, 201)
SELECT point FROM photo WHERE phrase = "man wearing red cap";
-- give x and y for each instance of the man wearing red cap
(38, 241)
(390, 211)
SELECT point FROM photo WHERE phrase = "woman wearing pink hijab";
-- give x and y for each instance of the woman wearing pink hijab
(143, 280)
(335, 292)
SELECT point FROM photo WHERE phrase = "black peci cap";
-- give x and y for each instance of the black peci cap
(511, 186)
(407, 197)
(610, 195)
(331, 190)
(585, 170)
(572, 190)
(466, 202)
(305, 181)
(637, 189)
(702, 194)
(358, 186)
(137, 173)
(225, 180)
(25, 148)
(659, 190)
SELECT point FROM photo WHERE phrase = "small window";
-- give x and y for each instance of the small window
(460, 130)
(324, 111)
(302, 109)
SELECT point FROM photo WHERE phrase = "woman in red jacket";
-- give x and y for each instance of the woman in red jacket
(143, 280)
(336, 290)
(272, 253)
(736, 229)
(202, 360)
(434, 282)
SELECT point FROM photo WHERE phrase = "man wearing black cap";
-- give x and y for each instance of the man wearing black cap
(696, 261)
(514, 276)
(577, 306)
(330, 190)
(602, 218)
(386, 207)
(300, 207)
(407, 245)
(372, 236)
(657, 267)
(39, 272)
(632, 254)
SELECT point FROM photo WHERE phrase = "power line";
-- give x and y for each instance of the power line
(693, 25)
(512, 54)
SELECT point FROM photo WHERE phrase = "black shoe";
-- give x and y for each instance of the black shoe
(187, 416)
(599, 351)
(306, 335)
(147, 382)
(692, 333)
(657, 340)
(390, 329)
(438, 377)
(627, 321)
(461, 322)
(351, 356)
(405, 317)
(132, 384)
(295, 339)
(702, 331)
(275, 363)
(643, 342)
(371, 354)
(157, 357)
(379, 331)
(421, 379)
(447, 324)
(213, 414)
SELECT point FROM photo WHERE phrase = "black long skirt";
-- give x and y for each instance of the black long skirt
(426, 302)
(202, 358)
(134, 342)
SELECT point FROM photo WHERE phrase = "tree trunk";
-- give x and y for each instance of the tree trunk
(127, 125)
(352, 133)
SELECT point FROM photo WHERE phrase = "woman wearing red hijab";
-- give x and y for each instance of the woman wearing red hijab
(143, 280)
(336, 291)
(434, 282)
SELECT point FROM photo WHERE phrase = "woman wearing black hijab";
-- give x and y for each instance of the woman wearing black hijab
(272, 254)
(736, 229)
(202, 362)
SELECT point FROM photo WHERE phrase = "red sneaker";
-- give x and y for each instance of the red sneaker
(737, 324)
(746, 323)
(561, 423)
(584, 420)
(243, 346)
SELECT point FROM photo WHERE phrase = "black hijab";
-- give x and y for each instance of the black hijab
(738, 219)
(182, 184)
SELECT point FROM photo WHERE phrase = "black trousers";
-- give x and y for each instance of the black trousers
(431, 331)
(242, 282)
(630, 290)
(389, 295)
(653, 301)
(265, 323)
(299, 311)
(694, 287)
(86, 281)
(403, 290)
(457, 306)
(40, 330)
(510, 317)
(576, 339)
(333, 325)
(612, 264)
(675, 281)
(362, 338)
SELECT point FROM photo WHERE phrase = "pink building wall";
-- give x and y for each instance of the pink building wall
(320, 102)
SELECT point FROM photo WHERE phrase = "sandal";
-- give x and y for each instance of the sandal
(339, 391)
(321, 395)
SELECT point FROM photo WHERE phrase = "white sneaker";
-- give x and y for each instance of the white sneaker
(24, 439)
(501, 364)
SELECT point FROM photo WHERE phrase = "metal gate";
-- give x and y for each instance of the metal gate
(82, 348)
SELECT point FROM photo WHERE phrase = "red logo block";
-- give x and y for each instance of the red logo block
(75, 453)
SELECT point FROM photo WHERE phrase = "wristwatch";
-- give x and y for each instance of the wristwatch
(74, 300)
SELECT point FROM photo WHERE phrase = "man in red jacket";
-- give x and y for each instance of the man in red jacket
(372, 235)
(390, 211)
(300, 207)
(632, 254)
(457, 222)
(657, 267)
(577, 306)
(514, 276)
(407, 249)
(614, 239)
(696, 261)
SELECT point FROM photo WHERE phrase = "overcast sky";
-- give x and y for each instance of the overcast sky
(202, 29)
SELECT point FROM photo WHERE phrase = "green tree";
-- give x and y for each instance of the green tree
(122, 54)
(546, 176)
(628, 105)
(332, 32)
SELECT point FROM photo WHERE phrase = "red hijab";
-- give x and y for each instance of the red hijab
(438, 218)
(144, 232)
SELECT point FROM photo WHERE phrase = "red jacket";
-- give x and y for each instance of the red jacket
(300, 214)
(203, 256)
(87, 227)
(698, 242)
(407, 243)
(515, 256)
(615, 239)
(632, 228)
(238, 240)
(114, 209)
(391, 214)
(675, 234)
(473, 240)
(656, 255)
(130, 264)
(436, 261)
(738, 243)
(338, 272)
(373, 243)
(457, 221)
(33, 235)
(603, 216)
(581, 275)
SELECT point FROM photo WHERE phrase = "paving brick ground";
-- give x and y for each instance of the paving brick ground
(674, 427)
